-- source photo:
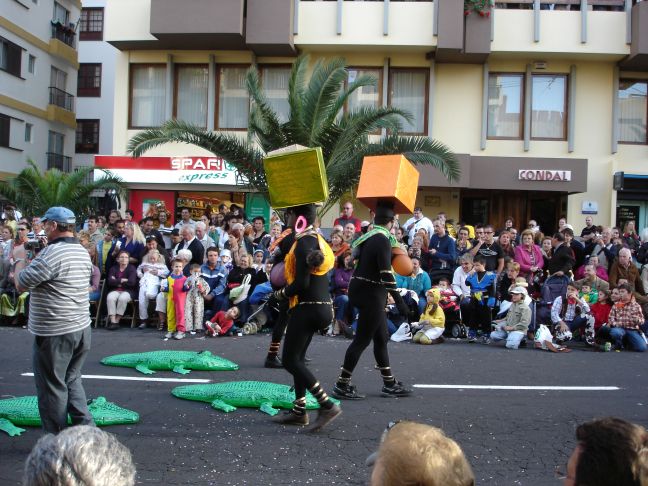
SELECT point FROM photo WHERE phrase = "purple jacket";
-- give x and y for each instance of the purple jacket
(114, 281)
(341, 279)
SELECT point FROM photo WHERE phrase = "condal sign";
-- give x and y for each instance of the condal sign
(168, 170)
(544, 175)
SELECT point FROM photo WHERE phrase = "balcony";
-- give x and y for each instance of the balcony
(60, 98)
(65, 34)
(59, 161)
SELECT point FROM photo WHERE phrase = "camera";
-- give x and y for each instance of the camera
(34, 245)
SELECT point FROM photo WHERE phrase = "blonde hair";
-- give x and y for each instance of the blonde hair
(137, 232)
(513, 266)
(420, 454)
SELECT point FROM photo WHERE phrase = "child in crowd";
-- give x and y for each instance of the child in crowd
(222, 322)
(588, 294)
(482, 300)
(544, 340)
(448, 300)
(601, 309)
(516, 324)
(226, 259)
(175, 301)
(150, 274)
(395, 316)
(257, 260)
(196, 288)
(432, 321)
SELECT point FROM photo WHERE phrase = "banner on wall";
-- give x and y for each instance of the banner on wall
(169, 170)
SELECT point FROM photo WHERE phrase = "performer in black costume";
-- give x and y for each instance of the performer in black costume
(371, 281)
(311, 310)
(279, 309)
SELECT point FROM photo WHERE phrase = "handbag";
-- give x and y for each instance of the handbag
(240, 293)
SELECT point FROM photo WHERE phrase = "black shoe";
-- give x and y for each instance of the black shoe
(307, 359)
(395, 390)
(289, 417)
(274, 362)
(112, 326)
(324, 417)
(346, 392)
(346, 330)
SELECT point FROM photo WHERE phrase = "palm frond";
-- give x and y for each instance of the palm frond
(263, 122)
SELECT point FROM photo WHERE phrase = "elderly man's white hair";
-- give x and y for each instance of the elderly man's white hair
(188, 227)
(626, 252)
(201, 225)
(185, 254)
(81, 455)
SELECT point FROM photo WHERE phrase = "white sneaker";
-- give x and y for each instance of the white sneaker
(179, 335)
(168, 335)
(193, 333)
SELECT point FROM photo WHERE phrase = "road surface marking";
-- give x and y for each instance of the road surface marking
(523, 387)
(137, 378)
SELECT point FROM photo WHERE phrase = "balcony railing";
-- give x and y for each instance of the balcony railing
(59, 161)
(61, 98)
(65, 34)
(615, 5)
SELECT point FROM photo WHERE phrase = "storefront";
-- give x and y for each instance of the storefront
(172, 184)
(632, 200)
(492, 189)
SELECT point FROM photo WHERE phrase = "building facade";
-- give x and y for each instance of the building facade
(38, 78)
(542, 102)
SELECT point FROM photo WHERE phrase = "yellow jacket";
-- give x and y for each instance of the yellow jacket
(433, 313)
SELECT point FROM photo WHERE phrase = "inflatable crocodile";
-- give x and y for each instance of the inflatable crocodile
(24, 411)
(266, 396)
(178, 361)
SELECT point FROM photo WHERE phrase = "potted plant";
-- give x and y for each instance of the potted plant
(480, 7)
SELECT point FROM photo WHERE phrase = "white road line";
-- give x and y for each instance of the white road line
(523, 387)
(137, 378)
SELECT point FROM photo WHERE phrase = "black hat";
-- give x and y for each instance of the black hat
(384, 211)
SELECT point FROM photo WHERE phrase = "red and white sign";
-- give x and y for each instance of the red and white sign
(544, 175)
(168, 170)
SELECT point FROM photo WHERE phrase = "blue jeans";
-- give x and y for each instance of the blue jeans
(513, 338)
(634, 340)
(340, 304)
(578, 322)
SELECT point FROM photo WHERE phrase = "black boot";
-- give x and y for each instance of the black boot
(289, 417)
(273, 362)
(324, 417)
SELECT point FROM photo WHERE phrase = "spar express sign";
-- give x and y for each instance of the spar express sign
(169, 170)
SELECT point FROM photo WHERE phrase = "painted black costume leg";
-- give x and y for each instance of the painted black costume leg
(281, 321)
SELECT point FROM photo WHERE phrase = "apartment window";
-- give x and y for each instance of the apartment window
(61, 14)
(29, 129)
(191, 94)
(408, 91)
(633, 111)
(365, 96)
(148, 95)
(91, 24)
(10, 57)
(58, 78)
(274, 80)
(55, 142)
(549, 106)
(31, 64)
(505, 101)
(233, 99)
(5, 125)
(87, 137)
(89, 80)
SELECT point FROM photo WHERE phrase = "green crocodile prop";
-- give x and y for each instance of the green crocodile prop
(268, 397)
(178, 361)
(24, 411)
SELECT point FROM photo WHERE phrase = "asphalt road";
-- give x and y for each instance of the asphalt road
(509, 436)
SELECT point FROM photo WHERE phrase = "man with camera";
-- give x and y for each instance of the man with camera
(60, 320)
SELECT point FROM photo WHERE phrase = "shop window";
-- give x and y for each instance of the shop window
(633, 111)
(191, 94)
(549, 106)
(87, 137)
(147, 95)
(5, 128)
(505, 101)
(408, 90)
(10, 57)
(233, 99)
(89, 80)
(91, 24)
(274, 80)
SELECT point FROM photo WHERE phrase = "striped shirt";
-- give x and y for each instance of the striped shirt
(58, 280)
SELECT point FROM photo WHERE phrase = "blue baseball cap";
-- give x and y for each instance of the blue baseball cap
(60, 215)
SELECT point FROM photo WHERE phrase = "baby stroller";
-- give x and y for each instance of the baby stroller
(553, 287)
(262, 315)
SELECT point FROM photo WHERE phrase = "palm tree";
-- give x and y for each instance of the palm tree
(33, 191)
(317, 119)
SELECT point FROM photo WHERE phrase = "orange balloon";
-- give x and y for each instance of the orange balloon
(401, 262)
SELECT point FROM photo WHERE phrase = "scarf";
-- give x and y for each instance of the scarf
(377, 229)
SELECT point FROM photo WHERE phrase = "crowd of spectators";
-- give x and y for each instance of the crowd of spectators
(185, 278)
